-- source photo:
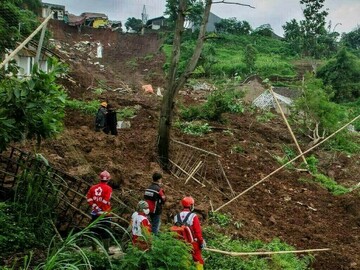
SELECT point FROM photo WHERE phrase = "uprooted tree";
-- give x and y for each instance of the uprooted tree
(176, 81)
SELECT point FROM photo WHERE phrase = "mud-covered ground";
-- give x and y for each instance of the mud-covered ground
(300, 213)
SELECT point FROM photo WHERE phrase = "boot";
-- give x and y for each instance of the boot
(199, 266)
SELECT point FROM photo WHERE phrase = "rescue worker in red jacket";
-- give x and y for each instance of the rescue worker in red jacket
(98, 197)
(155, 197)
(140, 226)
(195, 227)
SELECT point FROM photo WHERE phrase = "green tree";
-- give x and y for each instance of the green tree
(32, 108)
(233, 26)
(263, 30)
(293, 35)
(176, 80)
(343, 74)
(250, 56)
(193, 13)
(313, 26)
(352, 39)
(133, 24)
(314, 113)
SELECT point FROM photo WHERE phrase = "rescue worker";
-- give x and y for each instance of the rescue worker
(155, 197)
(195, 227)
(111, 121)
(98, 197)
(140, 226)
(100, 119)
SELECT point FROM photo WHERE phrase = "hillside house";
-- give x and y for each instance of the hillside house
(156, 23)
(95, 20)
(25, 59)
(58, 11)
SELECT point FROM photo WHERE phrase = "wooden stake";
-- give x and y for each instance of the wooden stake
(287, 124)
(194, 171)
(235, 254)
(283, 166)
(227, 180)
(186, 172)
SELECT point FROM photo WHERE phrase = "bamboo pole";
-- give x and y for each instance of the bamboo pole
(287, 124)
(22, 45)
(193, 171)
(227, 180)
(186, 172)
(295, 158)
(235, 254)
(197, 148)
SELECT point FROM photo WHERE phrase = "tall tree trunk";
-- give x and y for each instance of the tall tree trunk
(174, 84)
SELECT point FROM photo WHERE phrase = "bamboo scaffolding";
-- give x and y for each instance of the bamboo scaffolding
(26, 41)
(287, 124)
(193, 171)
(283, 166)
(186, 172)
(235, 254)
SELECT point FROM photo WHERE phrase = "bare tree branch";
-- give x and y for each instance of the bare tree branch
(232, 3)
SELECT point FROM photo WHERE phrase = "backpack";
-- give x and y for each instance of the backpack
(182, 229)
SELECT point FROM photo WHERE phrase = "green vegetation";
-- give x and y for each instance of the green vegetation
(278, 261)
(166, 253)
(196, 128)
(32, 108)
(89, 107)
(126, 113)
(218, 102)
(265, 116)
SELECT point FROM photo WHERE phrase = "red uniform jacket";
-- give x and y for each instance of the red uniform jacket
(194, 224)
(99, 197)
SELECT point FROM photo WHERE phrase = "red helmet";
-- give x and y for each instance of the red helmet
(105, 176)
(187, 201)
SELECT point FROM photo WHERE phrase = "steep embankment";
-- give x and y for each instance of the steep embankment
(300, 213)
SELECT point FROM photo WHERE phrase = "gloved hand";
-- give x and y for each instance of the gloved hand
(203, 245)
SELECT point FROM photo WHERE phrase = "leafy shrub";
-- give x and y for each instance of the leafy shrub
(166, 252)
(193, 128)
(312, 163)
(222, 220)
(218, 102)
(126, 113)
(266, 116)
(15, 234)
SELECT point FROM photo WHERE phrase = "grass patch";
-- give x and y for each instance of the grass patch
(277, 261)
(328, 183)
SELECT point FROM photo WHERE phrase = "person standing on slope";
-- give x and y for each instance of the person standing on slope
(98, 197)
(100, 119)
(140, 226)
(193, 222)
(155, 197)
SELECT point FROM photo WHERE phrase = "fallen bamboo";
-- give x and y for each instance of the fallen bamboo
(186, 172)
(193, 171)
(287, 124)
(197, 148)
(235, 254)
(283, 166)
(26, 41)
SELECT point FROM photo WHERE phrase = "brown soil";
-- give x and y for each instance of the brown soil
(301, 214)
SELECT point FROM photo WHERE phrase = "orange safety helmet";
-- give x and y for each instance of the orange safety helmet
(105, 176)
(187, 201)
(104, 104)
